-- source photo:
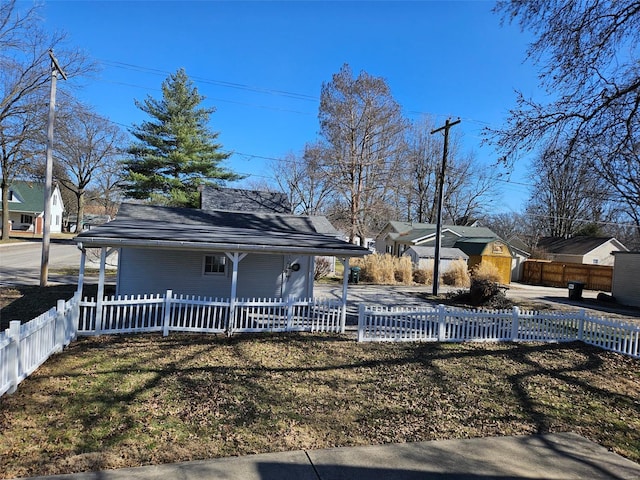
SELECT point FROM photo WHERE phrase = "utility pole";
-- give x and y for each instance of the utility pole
(436, 264)
(46, 229)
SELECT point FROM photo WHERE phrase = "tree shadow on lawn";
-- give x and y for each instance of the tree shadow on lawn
(26, 302)
(146, 389)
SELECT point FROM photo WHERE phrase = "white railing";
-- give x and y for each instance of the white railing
(187, 313)
(24, 347)
(445, 324)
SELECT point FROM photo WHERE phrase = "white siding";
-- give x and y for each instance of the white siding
(626, 272)
(259, 276)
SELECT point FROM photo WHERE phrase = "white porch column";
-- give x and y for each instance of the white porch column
(311, 264)
(100, 294)
(345, 282)
(235, 258)
(83, 258)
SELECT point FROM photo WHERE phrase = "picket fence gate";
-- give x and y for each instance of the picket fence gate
(24, 347)
(189, 313)
(447, 324)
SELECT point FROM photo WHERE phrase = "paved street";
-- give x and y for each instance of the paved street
(20, 262)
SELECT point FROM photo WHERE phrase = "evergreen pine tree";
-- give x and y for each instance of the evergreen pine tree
(175, 152)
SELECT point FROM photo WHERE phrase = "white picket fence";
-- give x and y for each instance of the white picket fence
(24, 347)
(447, 324)
(188, 313)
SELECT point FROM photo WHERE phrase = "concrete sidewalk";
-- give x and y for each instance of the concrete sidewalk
(562, 456)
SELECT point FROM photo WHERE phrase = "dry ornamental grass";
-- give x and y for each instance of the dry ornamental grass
(120, 401)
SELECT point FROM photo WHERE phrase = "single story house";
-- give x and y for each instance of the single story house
(581, 249)
(626, 271)
(479, 244)
(215, 253)
(423, 257)
(26, 207)
(396, 237)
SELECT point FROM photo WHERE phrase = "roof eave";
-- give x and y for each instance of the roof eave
(95, 242)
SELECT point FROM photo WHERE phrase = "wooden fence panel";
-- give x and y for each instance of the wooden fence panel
(558, 274)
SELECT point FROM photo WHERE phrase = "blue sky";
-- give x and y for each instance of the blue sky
(262, 64)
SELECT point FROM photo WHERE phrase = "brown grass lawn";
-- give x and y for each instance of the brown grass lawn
(120, 401)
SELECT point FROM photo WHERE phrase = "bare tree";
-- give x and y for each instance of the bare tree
(469, 187)
(567, 194)
(589, 64)
(362, 124)
(421, 160)
(25, 74)
(304, 179)
(87, 147)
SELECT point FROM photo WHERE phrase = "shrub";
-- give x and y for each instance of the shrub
(322, 268)
(486, 271)
(457, 275)
(403, 270)
(423, 276)
(384, 269)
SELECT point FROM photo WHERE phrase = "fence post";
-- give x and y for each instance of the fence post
(13, 355)
(75, 315)
(442, 316)
(361, 325)
(515, 323)
(59, 326)
(166, 313)
(581, 319)
(289, 312)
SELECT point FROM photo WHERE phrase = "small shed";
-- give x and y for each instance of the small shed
(215, 253)
(423, 257)
(491, 250)
(626, 271)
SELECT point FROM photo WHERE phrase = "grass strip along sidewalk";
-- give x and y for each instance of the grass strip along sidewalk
(121, 401)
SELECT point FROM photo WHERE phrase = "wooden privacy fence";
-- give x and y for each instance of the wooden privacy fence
(24, 347)
(445, 324)
(188, 313)
(558, 274)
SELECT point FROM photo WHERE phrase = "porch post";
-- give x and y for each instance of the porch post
(235, 258)
(83, 258)
(345, 282)
(311, 265)
(100, 294)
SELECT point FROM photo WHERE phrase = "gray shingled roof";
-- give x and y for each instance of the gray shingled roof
(239, 200)
(579, 245)
(166, 227)
(445, 253)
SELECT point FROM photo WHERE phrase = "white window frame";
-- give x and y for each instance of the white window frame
(219, 261)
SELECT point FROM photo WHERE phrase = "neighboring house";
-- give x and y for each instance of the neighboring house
(582, 249)
(480, 244)
(396, 237)
(521, 252)
(423, 257)
(26, 207)
(626, 271)
(239, 200)
(216, 253)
